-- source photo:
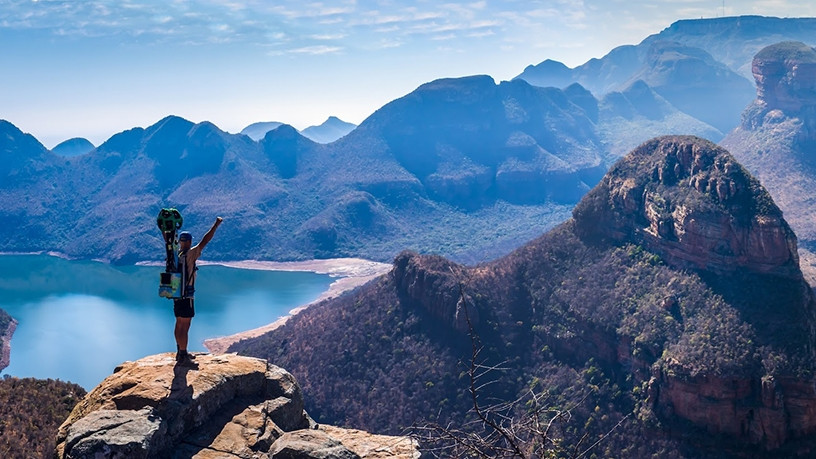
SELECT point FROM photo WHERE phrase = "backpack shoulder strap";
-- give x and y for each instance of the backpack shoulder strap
(185, 273)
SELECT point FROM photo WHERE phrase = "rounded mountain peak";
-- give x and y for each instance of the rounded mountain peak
(692, 203)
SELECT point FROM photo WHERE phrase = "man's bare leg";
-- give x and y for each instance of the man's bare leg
(181, 332)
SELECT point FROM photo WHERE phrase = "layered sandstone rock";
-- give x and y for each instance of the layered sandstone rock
(770, 411)
(689, 201)
(224, 406)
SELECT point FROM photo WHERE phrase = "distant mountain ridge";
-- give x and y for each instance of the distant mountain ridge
(463, 167)
(701, 66)
(257, 131)
(329, 131)
(411, 175)
(73, 147)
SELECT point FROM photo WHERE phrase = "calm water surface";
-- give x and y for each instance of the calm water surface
(79, 319)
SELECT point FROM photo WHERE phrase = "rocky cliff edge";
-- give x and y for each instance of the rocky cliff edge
(224, 406)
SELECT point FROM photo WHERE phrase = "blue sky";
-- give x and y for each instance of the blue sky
(97, 67)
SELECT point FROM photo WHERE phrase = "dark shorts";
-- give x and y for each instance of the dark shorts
(183, 308)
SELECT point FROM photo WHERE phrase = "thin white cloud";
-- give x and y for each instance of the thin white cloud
(447, 37)
(316, 50)
(328, 37)
(388, 43)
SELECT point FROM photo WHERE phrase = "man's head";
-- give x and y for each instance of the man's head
(185, 240)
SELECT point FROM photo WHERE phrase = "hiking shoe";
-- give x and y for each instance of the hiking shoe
(181, 355)
(186, 360)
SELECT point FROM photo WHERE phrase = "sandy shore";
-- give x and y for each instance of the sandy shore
(351, 273)
(5, 345)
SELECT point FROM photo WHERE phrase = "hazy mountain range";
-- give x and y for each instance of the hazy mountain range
(702, 67)
(327, 132)
(458, 166)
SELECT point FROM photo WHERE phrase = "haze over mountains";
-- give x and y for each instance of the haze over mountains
(327, 132)
(462, 167)
(412, 175)
(701, 67)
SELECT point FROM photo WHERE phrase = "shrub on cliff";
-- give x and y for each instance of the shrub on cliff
(31, 411)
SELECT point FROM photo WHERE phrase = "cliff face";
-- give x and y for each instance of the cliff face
(785, 75)
(690, 202)
(5, 342)
(434, 284)
(224, 406)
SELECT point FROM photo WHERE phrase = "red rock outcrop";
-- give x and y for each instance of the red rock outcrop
(689, 201)
(769, 411)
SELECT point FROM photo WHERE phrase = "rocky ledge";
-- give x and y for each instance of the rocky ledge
(224, 406)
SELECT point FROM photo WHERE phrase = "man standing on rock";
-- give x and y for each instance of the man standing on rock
(183, 307)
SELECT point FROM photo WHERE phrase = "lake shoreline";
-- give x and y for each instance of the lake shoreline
(5, 348)
(349, 273)
(353, 272)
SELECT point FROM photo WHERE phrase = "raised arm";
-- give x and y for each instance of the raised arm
(209, 234)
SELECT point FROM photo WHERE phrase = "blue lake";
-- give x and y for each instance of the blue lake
(79, 319)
